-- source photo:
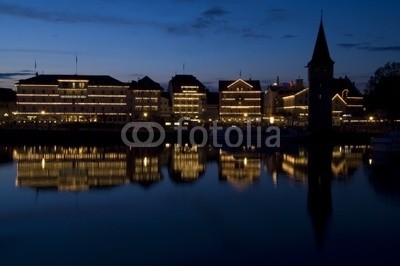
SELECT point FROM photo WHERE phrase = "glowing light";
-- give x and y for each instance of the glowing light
(43, 163)
(271, 120)
(43, 112)
(145, 114)
(371, 118)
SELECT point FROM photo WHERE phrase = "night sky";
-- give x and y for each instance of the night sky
(215, 39)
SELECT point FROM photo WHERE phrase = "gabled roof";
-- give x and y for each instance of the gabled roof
(321, 55)
(253, 84)
(146, 83)
(102, 80)
(178, 81)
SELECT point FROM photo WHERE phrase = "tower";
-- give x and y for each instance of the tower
(320, 79)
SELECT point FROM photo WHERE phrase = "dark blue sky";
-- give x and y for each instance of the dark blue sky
(215, 38)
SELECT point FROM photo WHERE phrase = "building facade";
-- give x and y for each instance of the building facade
(145, 99)
(71, 98)
(240, 100)
(188, 96)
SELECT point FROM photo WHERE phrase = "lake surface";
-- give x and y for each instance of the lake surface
(64, 205)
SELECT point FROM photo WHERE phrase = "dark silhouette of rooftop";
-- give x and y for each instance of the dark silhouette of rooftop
(178, 81)
(321, 55)
(146, 83)
(104, 80)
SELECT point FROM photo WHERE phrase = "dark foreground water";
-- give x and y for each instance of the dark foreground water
(197, 206)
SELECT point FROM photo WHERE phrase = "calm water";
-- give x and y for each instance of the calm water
(172, 206)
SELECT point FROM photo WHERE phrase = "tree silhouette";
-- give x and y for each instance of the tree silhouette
(383, 90)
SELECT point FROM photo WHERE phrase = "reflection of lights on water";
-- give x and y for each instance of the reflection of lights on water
(370, 161)
(275, 177)
(43, 163)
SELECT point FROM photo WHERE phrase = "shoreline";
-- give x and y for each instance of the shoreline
(112, 136)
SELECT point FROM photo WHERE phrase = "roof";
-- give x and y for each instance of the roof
(321, 53)
(185, 80)
(103, 80)
(223, 84)
(7, 95)
(146, 83)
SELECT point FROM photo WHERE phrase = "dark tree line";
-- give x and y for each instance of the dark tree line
(383, 91)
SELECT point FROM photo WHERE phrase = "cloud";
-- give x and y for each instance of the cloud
(36, 51)
(215, 11)
(367, 47)
(380, 48)
(65, 17)
(12, 75)
(255, 35)
(289, 36)
(211, 17)
(349, 45)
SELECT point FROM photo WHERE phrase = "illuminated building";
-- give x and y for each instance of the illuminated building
(72, 98)
(239, 169)
(273, 97)
(346, 100)
(70, 168)
(188, 96)
(188, 163)
(320, 77)
(240, 100)
(146, 98)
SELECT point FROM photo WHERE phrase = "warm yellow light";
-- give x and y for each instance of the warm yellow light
(245, 114)
(43, 112)
(371, 118)
(6, 114)
(145, 114)
(271, 120)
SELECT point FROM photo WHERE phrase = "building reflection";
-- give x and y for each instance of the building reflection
(316, 166)
(70, 168)
(294, 164)
(143, 166)
(239, 169)
(187, 164)
(319, 198)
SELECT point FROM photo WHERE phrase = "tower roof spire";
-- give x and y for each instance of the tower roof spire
(321, 53)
